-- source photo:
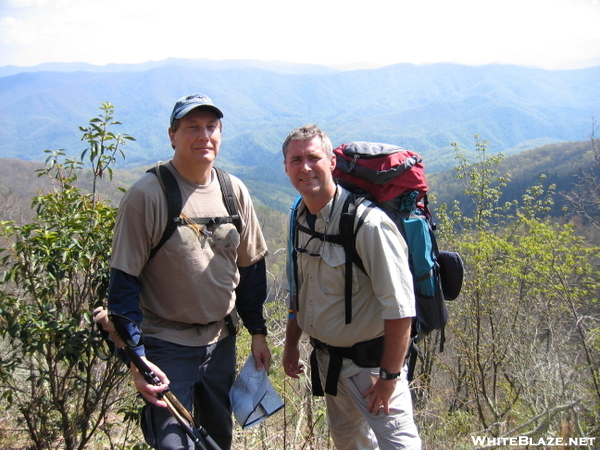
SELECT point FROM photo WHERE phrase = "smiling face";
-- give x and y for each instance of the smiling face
(309, 170)
(196, 139)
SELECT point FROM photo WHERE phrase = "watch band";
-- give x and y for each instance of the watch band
(385, 375)
(254, 331)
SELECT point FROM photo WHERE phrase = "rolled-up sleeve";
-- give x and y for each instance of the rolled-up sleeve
(385, 257)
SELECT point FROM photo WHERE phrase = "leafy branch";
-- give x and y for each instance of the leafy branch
(104, 145)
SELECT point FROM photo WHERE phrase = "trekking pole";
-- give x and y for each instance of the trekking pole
(197, 433)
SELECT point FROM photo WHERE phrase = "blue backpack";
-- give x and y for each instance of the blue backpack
(393, 179)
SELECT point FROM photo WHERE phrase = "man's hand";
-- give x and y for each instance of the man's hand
(260, 351)
(380, 393)
(149, 391)
(397, 338)
(291, 350)
(291, 357)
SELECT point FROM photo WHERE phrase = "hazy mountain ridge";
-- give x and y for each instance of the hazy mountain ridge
(424, 108)
(275, 66)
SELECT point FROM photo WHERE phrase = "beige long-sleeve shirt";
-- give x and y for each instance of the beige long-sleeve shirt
(385, 293)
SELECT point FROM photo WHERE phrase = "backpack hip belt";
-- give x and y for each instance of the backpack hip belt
(363, 354)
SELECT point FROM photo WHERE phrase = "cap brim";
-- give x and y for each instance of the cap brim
(188, 108)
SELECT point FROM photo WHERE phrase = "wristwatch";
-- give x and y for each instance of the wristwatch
(254, 331)
(385, 375)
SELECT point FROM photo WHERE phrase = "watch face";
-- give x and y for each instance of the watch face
(385, 375)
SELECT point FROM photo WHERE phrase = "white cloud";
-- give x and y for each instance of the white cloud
(26, 3)
(536, 32)
(16, 32)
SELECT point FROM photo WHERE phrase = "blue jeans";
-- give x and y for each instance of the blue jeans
(201, 378)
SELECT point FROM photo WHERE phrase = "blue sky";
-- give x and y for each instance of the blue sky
(545, 33)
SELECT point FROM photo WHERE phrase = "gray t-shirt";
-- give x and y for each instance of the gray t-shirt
(191, 281)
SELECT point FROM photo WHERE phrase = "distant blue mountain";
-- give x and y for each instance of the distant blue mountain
(275, 66)
(423, 108)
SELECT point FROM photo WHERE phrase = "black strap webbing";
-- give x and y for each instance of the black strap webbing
(363, 354)
(348, 232)
(229, 198)
(413, 352)
(317, 387)
(174, 203)
(333, 238)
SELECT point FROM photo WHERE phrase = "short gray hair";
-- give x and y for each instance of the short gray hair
(306, 133)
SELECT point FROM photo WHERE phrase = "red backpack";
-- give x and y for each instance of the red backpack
(395, 179)
(384, 171)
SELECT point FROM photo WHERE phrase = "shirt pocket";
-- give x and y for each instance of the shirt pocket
(333, 271)
(333, 255)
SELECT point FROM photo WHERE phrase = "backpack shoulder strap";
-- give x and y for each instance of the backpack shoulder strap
(293, 258)
(229, 198)
(348, 237)
(174, 203)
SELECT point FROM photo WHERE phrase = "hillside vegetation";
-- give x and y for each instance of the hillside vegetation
(560, 164)
(522, 344)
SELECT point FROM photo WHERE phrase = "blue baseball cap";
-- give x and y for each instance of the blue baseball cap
(185, 104)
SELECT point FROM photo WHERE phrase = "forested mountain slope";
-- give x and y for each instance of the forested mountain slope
(561, 163)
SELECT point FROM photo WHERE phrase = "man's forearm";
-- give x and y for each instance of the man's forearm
(396, 341)
(123, 298)
(251, 293)
(293, 333)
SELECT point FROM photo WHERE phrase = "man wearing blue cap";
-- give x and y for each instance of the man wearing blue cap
(187, 292)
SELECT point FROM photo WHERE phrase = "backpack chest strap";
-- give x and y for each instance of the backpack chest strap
(206, 221)
(333, 238)
(170, 186)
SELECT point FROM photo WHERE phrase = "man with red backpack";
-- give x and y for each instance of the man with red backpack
(359, 361)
